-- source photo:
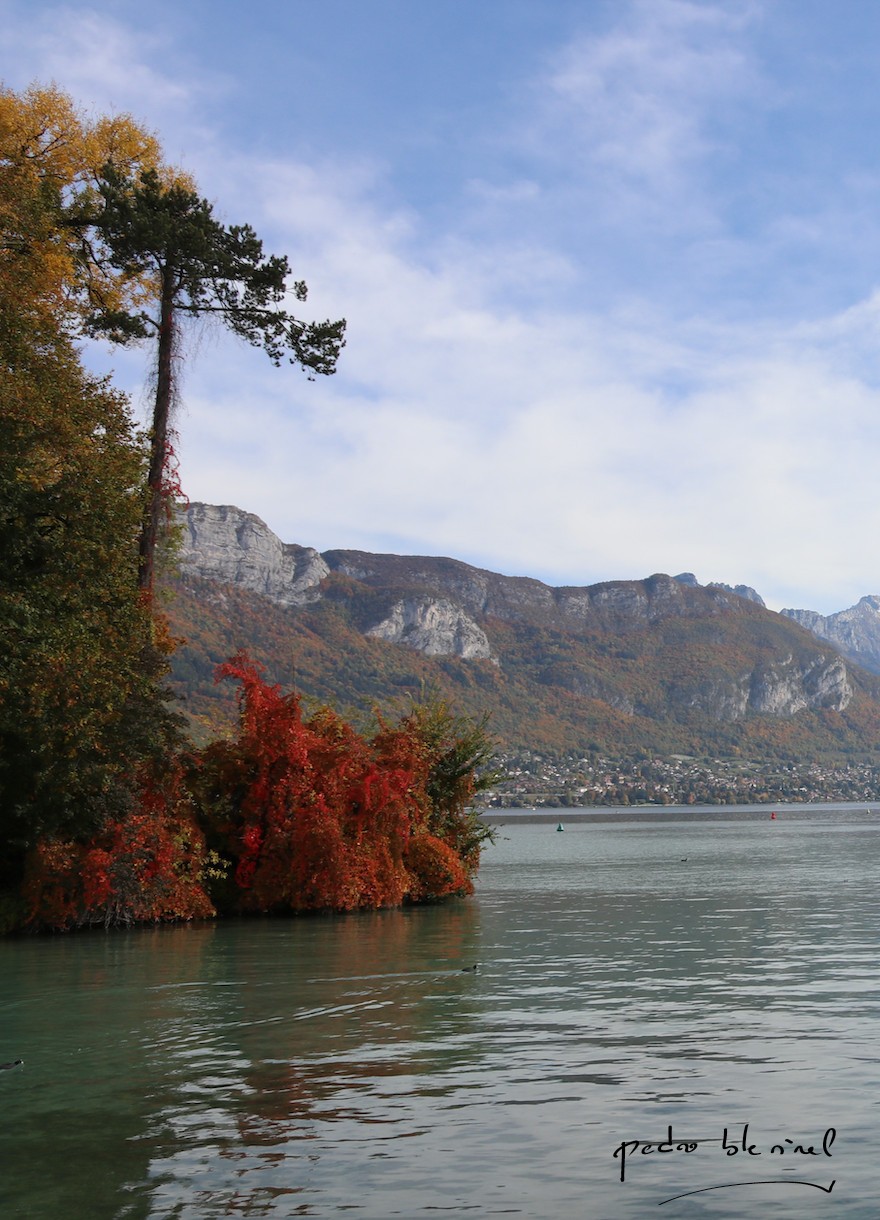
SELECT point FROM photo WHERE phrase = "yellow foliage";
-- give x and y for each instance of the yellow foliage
(51, 155)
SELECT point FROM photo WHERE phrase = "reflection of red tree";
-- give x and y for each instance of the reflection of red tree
(380, 982)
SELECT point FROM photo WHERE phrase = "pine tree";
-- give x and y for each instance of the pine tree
(165, 235)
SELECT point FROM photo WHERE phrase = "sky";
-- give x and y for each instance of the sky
(610, 269)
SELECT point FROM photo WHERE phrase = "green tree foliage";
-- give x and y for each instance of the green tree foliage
(80, 704)
(455, 753)
(139, 228)
(82, 711)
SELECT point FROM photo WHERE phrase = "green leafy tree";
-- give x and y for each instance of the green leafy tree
(81, 704)
(165, 237)
(457, 754)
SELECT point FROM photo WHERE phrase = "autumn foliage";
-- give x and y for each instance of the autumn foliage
(314, 816)
(147, 867)
(295, 813)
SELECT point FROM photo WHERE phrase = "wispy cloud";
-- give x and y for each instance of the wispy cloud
(491, 402)
(641, 99)
(572, 445)
(109, 66)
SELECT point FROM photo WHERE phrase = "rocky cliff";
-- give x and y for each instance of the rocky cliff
(435, 627)
(664, 648)
(746, 591)
(224, 544)
(855, 632)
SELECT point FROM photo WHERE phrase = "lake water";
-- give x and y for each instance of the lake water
(350, 1066)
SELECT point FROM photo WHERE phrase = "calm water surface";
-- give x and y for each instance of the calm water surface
(330, 1066)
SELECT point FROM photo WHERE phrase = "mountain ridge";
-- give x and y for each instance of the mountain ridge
(855, 632)
(662, 665)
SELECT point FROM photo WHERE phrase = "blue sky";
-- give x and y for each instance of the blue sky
(611, 271)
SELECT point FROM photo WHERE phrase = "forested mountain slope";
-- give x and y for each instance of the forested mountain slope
(657, 665)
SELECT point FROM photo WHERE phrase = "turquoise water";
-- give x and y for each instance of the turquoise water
(329, 1066)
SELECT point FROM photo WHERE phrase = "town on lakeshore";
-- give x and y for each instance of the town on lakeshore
(533, 781)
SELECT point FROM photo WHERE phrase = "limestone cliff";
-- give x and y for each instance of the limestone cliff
(435, 627)
(746, 591)
(782, 687)
(660, 648)
(856, 631)
(222, 543)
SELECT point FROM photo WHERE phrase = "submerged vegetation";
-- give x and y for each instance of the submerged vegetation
(107, 814)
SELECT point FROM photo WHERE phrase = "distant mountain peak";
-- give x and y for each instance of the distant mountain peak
(746, 591)
(854, 631)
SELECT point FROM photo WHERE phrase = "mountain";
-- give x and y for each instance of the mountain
(854, 632)
(662, 665)
(746, 591)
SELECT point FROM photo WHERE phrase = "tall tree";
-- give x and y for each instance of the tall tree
(81, 699)
(163, 234)
(81, 702)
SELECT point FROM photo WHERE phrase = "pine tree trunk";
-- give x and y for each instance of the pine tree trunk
(158, 437)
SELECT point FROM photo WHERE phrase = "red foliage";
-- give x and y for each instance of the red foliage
(306, 813)
(314, 815)
(147, 867)
(437, 870)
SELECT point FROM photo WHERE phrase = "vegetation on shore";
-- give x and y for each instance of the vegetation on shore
(107, 814)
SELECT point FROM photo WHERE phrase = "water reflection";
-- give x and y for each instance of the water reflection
(313, 1066)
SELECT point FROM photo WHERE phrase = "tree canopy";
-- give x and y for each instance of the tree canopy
(51, 158)
(164, 237)
(80, 703)
(106, 816)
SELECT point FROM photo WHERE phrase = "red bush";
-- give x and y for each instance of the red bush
(146, 868)
(436, 870)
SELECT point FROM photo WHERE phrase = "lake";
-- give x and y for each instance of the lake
(710, 972)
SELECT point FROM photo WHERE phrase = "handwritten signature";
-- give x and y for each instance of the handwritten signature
(733, 1143)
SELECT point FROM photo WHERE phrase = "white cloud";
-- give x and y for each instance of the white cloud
(486, 406)
(637, 99)
(102, 64)
(631, 126)
(107, 66)
(576, 447)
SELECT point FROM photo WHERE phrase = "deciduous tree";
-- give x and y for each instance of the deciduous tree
(81, 704)
(82, 709)
(51, 156)
(312, 815)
